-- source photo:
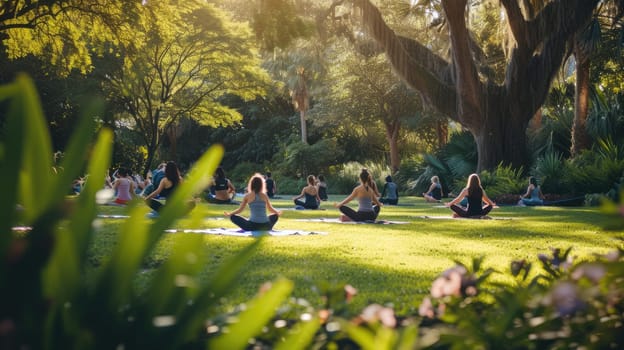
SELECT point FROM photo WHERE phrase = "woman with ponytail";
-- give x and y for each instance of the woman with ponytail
(368, 204)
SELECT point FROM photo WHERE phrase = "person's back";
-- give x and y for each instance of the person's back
(270, 186)
(475, 203)
(322, 188)
(257, 209)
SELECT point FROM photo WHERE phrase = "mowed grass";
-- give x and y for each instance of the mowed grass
(388, 264)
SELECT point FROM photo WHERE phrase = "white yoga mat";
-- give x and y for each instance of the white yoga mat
(238, 232)
(337, 221)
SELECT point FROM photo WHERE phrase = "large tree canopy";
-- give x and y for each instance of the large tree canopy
(497, 114)
(66, 33)
(193, 56)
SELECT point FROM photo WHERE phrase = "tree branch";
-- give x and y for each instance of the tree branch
(411, 69)
(468, 84)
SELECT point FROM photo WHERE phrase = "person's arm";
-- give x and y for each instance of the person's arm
(115, 184)
(487, 199)
(157, 191)
(458, 199)
(348, 199)
(132, 189)
(376, 200)
(269, 206)
(300, 195)
(431, 188)
(528, 192)
(541, 195)
(231, 188)
(383, 193)
(396, 190)
(240, 207)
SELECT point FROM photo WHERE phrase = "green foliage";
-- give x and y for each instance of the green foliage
(278, 23)
(349, 176)
(194, 56)
(45, 300)
(452, 164)
(504, 180)
(301, 159)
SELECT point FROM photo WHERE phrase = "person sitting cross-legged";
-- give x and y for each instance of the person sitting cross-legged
(476, 196)
(366, 196)
(258, 203)
(310, 192)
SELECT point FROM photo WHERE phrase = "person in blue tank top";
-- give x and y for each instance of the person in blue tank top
(310, 192)
(258, 203)
(390, 192)
(533, 195)
(366, 196)
(476, 197)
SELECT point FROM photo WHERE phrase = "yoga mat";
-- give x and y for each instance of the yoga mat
(337, 221)
(450, 217)
(239, 232)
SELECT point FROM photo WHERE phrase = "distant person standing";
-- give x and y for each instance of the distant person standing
(271, 185)
(391, 190)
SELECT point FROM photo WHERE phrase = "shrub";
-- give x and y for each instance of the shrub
(45, 301)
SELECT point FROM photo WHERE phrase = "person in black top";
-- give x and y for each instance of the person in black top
(322, 188)
(476, 196)
(310, 192)
(167, 185)
(222, 191)
(271, 186)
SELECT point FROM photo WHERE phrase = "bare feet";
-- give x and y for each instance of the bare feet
(344, 218)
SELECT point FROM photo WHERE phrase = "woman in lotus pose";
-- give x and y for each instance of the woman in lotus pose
(258, 203)
(310, 192)
(533, 195)
(366, 197)
(222, 191)
(476, 196)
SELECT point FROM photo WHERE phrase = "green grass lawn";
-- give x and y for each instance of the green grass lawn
(388, 264)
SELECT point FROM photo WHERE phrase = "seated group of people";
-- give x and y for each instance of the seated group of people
(471, 202)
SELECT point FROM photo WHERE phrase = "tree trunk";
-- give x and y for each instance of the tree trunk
(580, 138)
(392, 136)
(304, 129)
(536, 122)
(498, 140)
(442, 133)
(496, 114)
(172, 135)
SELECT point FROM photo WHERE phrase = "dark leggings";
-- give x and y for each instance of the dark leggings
(360, 215)
(306, 205)
(254, 226)
(157, 205)
(464, 213)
